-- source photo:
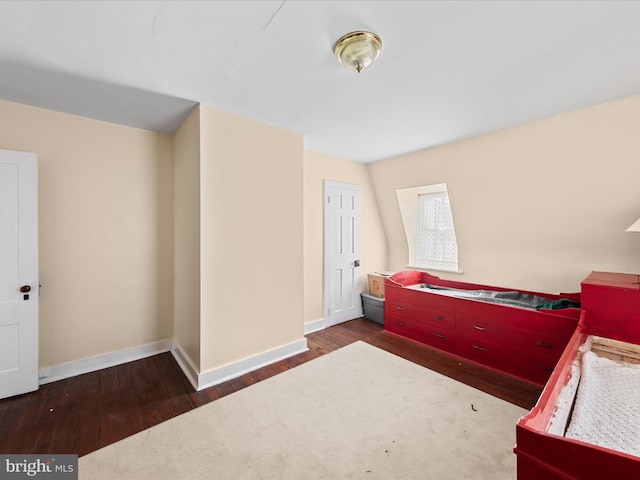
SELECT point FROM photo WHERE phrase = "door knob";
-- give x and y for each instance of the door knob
(25, 288)
(356, 263)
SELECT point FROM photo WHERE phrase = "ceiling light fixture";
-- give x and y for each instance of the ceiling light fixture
(358, 50)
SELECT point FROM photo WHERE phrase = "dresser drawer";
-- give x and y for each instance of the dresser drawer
(485, 350)
(409, 311)
(541, 347)
(552, 342)
(539, 369)
(483, 329)
(521, 319)
(423, 332)
(532, 343)
(508, 358)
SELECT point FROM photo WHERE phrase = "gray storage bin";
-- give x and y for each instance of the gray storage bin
(373, 308)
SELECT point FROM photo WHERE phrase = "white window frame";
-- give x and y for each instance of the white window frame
(409, 201)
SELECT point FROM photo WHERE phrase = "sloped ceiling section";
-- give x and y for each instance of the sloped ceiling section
(448, 70)
(88, 97)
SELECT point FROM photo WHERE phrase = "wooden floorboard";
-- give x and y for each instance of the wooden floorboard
(84, 413)
(66, 418)
(88, 434)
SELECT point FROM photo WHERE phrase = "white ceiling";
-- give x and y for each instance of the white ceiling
(448, 70)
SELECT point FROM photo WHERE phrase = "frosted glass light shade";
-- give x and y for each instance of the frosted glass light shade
(635, 227)
(358, 50)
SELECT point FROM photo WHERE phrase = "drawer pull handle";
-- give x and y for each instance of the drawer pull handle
(400, 324)
(398, 307)
(546, 369)
(545, 345)
(440, 335)
(477, 327)
(482, 349)
(440, 317)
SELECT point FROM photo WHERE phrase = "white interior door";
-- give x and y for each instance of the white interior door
(343, 277)
(18, 273)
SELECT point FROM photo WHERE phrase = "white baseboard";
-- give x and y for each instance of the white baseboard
(91, 364)
(233, 370)
(185, 363)
(198, 380)
(314, 326)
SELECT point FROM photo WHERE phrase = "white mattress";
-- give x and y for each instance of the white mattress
(607, 407)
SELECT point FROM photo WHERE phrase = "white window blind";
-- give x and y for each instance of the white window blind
(436, 244)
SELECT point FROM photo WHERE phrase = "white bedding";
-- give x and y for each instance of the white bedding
(607, 407)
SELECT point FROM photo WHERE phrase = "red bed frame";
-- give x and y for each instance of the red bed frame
(524, 343)
(610, 309)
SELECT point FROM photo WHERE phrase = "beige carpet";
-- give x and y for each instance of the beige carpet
(358, 412)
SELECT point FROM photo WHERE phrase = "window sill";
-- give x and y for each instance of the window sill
(437, 269)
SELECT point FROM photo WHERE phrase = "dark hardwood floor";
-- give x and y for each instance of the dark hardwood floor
(84, 413)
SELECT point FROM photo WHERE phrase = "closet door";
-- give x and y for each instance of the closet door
(343, 274)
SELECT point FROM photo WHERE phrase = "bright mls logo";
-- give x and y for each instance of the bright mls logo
(54, 467)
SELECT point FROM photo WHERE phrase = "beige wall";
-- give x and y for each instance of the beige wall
(105, 231)
(318, 168)
(536, 206)
(251, 238)
(186, 314)
(107, 234)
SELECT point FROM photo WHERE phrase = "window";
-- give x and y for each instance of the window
(428, 224)
(436, 244)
